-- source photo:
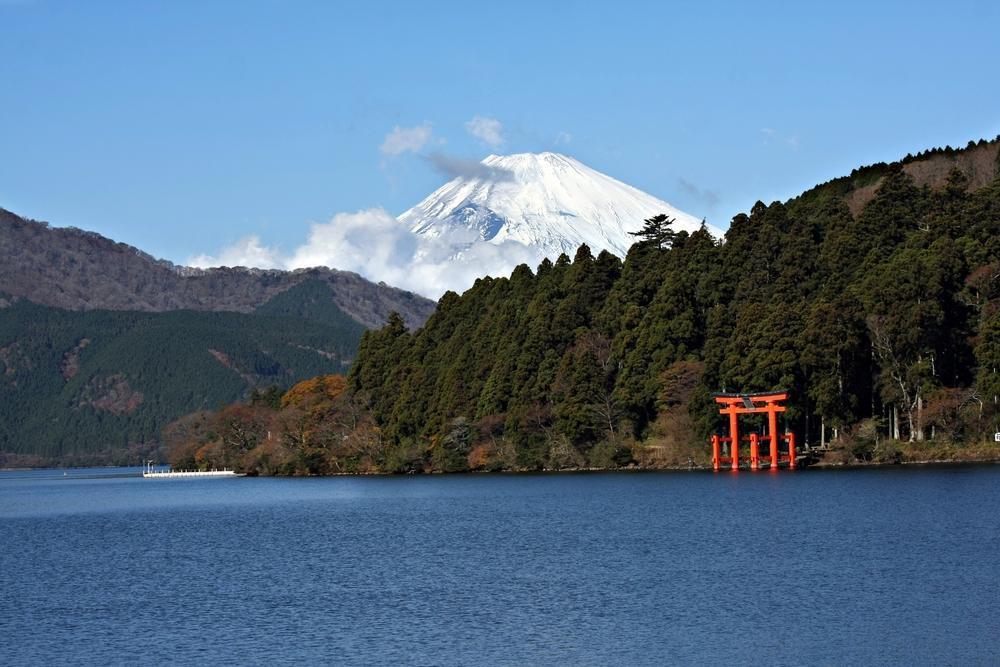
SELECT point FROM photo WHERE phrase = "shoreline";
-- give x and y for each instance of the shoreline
(921, 462)
(819, 465)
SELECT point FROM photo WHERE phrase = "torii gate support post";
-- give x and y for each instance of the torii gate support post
(754, 452)
(734, 443)
(772, 429)
(715, 452)
(791, 451)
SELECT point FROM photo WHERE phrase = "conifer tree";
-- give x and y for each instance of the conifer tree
(656, 232)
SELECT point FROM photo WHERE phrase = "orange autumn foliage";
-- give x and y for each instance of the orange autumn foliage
(321, 388)
(481, 456)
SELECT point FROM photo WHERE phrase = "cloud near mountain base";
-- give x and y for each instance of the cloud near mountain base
(247, 251)
(376, 245)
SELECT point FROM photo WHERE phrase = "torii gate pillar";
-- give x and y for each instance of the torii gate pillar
(734, 444)
(772, 429)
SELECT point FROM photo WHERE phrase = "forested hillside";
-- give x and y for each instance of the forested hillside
(100, 385)
(101, 344)
(875, 299)
(884, 323)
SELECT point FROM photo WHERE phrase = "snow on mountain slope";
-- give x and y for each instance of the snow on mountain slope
(503, 212)
(548, 202)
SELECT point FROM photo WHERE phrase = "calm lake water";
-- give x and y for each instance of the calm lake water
(851, 567)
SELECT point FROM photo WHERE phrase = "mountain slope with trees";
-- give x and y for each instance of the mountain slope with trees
(99, 385)
(101, 345)
(883, 322)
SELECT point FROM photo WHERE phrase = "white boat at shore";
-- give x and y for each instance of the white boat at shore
(150, 472)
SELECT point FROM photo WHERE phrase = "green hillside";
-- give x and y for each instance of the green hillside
(311, 301)
(88, 385)
(874, 298)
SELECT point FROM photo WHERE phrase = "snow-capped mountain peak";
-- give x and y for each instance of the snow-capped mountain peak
(548, 202)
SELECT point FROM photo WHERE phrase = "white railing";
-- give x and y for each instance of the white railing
(151, 472)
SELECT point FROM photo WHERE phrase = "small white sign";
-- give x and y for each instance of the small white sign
(996, 437)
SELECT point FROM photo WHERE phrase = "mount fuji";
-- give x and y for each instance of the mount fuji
(501, 212)
(546, 202)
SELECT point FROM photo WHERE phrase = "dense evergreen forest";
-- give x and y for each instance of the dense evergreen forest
(99, 386)
(874, 299)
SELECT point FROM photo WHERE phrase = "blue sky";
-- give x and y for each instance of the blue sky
(182, 126)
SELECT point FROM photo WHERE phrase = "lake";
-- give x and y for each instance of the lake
(861, 567)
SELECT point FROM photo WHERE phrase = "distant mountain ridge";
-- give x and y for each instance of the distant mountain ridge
(80, 270)
(978, 162)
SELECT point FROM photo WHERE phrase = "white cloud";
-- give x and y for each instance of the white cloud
(436, 268)
(770, 134)
(487, 130)
(370, 242)
(247, 251)
(376, 245)
(405, 140)
(452, 166)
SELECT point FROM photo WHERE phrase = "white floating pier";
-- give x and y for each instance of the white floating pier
(151, 473)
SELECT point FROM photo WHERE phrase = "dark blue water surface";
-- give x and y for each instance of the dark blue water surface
(853, 567)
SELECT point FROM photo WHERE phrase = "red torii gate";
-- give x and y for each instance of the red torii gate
(744, 404)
